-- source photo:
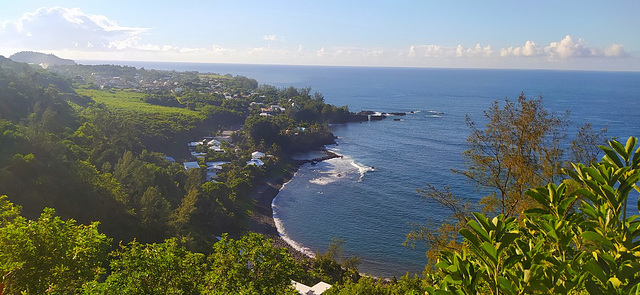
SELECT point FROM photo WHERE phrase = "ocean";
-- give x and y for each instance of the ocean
(369, 197)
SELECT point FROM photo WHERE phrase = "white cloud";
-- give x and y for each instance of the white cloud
(566, 48)
(569, 48)
(321, 52)
(615, 50)
(438, 51)
(529, 49)
(61, 28)
(219, 50)
(270, 37)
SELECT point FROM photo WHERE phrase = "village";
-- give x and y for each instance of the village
(199, 150)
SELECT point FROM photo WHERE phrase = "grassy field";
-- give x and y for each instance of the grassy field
(127, 101)
(213, 76)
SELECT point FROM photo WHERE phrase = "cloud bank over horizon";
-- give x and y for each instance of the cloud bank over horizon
(72, 33)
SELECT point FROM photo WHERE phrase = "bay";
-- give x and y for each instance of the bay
(368, 197)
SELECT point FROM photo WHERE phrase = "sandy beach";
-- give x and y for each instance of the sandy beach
(261, 221)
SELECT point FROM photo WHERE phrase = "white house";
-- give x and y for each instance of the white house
(257, 155)
(213, 142)
(198, 155)
(215, 146)
(213, 168)
(191, 165)
(217, 149)
(216, 165)
(317, 289)
(255, 162)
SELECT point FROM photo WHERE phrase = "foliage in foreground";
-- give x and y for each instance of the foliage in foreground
(48, 254)
(557, 247)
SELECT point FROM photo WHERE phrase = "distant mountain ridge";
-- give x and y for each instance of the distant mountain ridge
(44, 60)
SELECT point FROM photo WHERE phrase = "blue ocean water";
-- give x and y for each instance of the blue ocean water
(368, 197)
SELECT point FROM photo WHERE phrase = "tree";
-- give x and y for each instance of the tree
(164, 268)
(154, 213)
(250, 265)
(180, 219)
(48, 255)
(333, 267)
(521, 146)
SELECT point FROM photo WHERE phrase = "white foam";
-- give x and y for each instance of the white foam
(329, 171)
(362, 169)
(283, 234)
(323, 180)
(280, 227)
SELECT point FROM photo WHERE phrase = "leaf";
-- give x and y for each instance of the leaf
(527, 275)
(491, 251)
(595, 174)
(512, 260)
(507, 240)
(470, 237)
(631, 143)
(596, 238)
(505, 285)
(535, 211)
(479, 231)
(592, 288)
(615, 282)
(636, 159)
(483, 221)
(596, 271)
(620, 149)
(611, 157)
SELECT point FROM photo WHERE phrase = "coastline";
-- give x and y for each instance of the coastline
(261, 220)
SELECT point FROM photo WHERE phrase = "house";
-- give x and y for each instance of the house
(228, 132)
(194, 143)
(216, 165)
(214, 145)
(213, 168)
(317, 289)
(255, 162)
(277, 107)
(217, 149)
(223, 138)
(191, 165)
(213, 142)
(257, 155)
(198, 155)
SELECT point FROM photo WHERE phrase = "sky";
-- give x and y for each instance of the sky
(565, 35)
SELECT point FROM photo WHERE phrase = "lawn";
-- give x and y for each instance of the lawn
(129, 101)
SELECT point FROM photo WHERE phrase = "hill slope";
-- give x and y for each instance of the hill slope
(45, 60)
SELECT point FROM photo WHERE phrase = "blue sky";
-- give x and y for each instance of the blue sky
(592, 35)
